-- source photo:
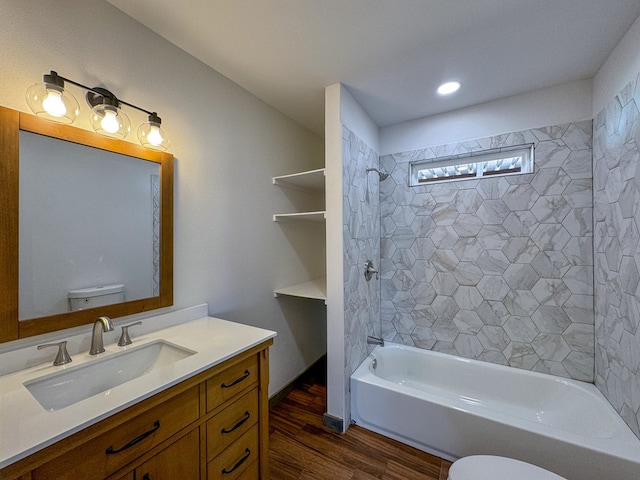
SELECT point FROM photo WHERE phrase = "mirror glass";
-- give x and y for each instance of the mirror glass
(87, 218)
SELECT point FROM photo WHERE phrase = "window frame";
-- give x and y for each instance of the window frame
(478, 159)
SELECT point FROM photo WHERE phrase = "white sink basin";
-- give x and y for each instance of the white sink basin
(61, 389)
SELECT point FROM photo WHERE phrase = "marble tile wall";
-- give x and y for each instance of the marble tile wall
(616, 174)
(361, 210)
(496, 269)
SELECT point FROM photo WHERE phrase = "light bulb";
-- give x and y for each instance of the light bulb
(50, 100)
(109, 122)
(155, 136)
(53, 104)
(152, 135)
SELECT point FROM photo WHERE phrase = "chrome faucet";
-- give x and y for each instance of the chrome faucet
(102, 324)
(371, 340)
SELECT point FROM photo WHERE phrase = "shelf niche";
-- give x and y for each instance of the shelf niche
(300, 217)
(312, 181)
(314, 289)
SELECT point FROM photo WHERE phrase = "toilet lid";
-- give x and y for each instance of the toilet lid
(490, 467)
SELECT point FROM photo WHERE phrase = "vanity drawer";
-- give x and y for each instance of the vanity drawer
(251, 472)
(231, 381)
(103, 455)
(238, 460)
(228, 425)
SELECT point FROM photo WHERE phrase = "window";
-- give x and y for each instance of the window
(485, 163)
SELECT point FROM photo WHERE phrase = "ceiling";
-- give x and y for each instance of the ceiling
(391, 54)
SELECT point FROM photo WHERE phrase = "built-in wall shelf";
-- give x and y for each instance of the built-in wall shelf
(310, 181)
(315, 289)
(300, 217)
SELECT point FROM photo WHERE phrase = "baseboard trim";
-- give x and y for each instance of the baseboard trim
(333, 423)
(277, 397)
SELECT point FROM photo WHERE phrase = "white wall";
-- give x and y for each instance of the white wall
(564, 103)
(335, 260)
(227, 143)
(620, 68)
(356, 119)
(340, 110)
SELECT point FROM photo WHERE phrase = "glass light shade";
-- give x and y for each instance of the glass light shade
(151, 135)
(110, 121)
(52, 102)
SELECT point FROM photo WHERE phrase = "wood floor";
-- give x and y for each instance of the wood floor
(301, 448)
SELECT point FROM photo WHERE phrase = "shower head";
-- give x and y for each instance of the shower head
(382, 174)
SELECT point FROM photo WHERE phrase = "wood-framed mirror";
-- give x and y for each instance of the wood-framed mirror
(38, 261)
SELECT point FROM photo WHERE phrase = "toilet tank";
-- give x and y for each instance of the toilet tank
(84, 298)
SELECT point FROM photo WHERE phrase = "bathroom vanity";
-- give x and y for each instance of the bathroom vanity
(199, 415)
(187, 399)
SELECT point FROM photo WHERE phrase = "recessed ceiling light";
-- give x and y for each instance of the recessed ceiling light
(448, 88)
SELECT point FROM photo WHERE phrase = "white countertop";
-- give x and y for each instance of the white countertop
(26, 427)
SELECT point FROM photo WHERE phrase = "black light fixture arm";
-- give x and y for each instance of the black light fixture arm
(50, 101)
(98, 94)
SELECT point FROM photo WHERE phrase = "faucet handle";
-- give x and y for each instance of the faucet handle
(369, 271)
(63, 356)
(125, 339)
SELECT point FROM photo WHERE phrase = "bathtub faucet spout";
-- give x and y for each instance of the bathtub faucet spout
(371, 340)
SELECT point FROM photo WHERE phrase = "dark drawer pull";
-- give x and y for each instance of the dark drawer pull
(247, 416)
(237, 380)
(138, 439)
(240, 462)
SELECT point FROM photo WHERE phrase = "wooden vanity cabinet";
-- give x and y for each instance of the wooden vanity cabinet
(211, 426)
(180, 460)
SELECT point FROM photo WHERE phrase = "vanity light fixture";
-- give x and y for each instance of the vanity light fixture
(449, 87)
(50, 100)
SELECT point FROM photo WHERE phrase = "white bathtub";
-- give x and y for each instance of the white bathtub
(453, 407)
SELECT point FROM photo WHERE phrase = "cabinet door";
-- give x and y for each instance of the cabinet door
(179, 460)
(124, 442)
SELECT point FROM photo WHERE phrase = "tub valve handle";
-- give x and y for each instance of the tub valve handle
(369, 271)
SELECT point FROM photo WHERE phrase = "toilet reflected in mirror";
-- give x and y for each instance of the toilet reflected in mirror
(91, 297)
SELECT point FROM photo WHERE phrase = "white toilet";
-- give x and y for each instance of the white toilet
(95, 296)
(490, 467)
